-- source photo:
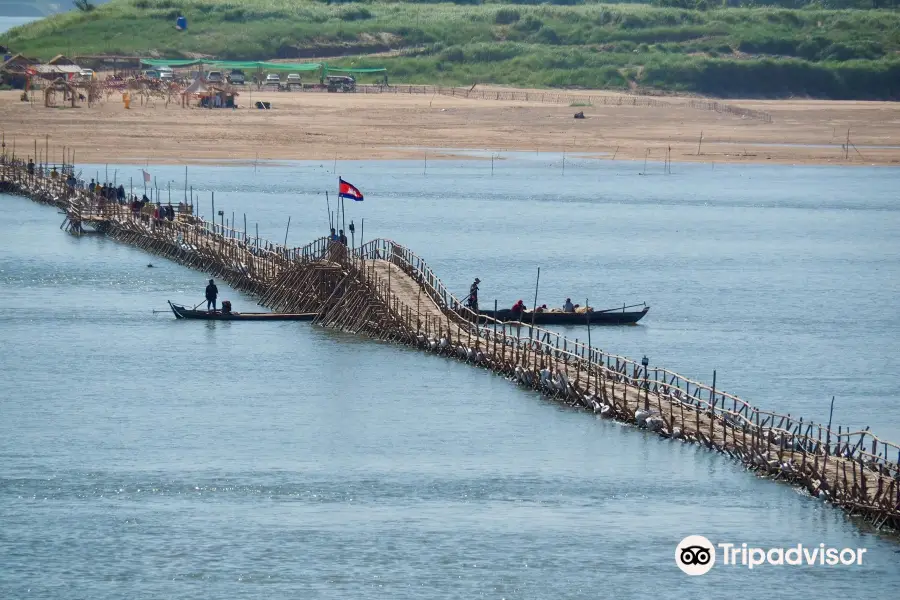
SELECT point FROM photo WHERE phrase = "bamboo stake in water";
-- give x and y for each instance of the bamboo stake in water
(534, 306)
(328, 208)
(587, 303)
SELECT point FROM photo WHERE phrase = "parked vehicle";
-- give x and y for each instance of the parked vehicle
(293, 81)
(273, 80)
(86, 74)
(237, 77)
(215, 77)
(341, 83)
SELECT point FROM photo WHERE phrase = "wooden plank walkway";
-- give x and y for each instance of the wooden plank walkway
(384, 290)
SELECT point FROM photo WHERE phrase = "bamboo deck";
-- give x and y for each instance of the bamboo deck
(384, 290)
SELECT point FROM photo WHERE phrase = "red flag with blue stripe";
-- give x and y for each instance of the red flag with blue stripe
(349, 191)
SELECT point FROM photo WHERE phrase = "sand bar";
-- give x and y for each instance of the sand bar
(323, 126)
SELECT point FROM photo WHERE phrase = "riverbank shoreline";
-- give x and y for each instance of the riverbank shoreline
(327, 127)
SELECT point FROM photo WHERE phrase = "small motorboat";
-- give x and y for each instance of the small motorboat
(226, 314)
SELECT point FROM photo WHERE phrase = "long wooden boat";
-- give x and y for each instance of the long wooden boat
(613, 316)
(216, 315)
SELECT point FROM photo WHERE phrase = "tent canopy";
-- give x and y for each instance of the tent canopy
(196, 87)
(267, 66)
(370, 70)
(170, 62)
(231, 64)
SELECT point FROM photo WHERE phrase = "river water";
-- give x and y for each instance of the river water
(7, 23)
(140, 456)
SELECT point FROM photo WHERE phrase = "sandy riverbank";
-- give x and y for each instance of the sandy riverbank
(384, 126)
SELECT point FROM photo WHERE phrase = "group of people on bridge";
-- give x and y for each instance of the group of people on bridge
(339, 238)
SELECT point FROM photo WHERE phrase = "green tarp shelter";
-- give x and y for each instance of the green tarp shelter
(231, 64)
(329, 70)
(267, 66)
(323, 70)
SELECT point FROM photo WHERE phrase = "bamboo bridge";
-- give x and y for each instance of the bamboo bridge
(384, 290)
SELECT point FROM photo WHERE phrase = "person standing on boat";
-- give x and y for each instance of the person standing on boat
(342, 238)
(472, 301)
(334, 237)
(212, 292)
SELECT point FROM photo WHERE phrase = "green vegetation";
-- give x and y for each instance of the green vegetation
(84, 5)
(722, 51)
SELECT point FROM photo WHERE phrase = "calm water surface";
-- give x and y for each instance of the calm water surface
(140, 456)
(7, 23)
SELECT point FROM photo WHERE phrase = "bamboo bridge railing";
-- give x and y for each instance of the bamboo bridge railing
(385, 290)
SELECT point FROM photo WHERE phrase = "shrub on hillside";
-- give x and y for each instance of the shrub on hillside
(357, 13)
(507, 16)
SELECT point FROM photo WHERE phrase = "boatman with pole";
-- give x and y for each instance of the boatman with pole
(472, 301)
(212, 292)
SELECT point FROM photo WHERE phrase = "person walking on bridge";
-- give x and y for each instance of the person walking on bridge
(472, 302)
(212, 292)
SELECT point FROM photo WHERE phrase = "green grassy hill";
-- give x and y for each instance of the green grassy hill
(722, 52)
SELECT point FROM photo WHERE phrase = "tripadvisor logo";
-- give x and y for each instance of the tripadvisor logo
(696, 555)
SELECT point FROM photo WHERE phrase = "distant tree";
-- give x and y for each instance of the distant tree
(84, 5)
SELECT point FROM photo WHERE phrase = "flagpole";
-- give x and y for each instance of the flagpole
(328, 207)
(343, 215)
